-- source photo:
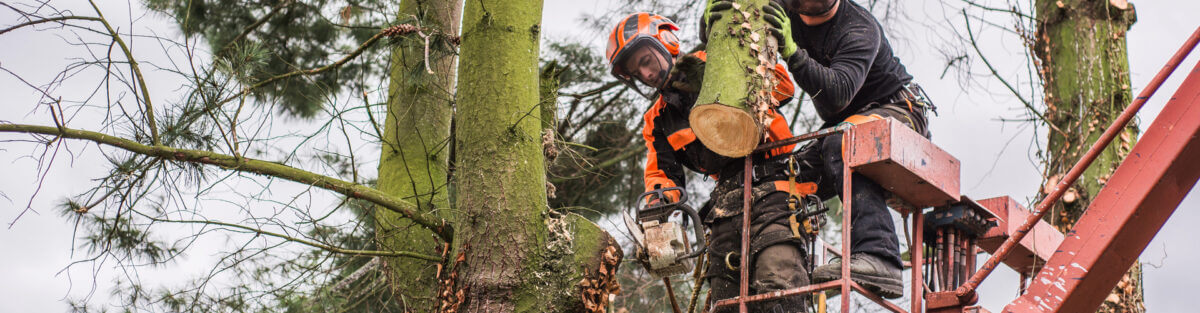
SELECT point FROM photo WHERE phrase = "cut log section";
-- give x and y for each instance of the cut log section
(735, 97)
(726, 130)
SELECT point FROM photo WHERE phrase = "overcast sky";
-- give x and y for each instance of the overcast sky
(997, 157)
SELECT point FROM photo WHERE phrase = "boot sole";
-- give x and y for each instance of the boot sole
(888, 288)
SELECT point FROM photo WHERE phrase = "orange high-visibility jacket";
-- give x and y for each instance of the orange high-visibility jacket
(671, 146)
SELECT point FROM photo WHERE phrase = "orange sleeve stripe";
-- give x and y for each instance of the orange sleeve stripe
(681, 138)
(779, 130)
(652, 175)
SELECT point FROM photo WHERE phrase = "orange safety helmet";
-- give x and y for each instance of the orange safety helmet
(638, 30)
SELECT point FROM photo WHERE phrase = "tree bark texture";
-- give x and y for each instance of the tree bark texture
(517, 255)
(1081, 49)
(415, 152)
(736, 93)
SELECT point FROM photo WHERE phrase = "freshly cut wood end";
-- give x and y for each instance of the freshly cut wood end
(1120, 4)
(726, 130)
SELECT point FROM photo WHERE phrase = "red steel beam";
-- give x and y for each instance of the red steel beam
(967, 289)
(1139, 198)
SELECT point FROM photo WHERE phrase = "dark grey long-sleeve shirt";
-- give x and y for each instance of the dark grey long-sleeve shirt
(849, 62)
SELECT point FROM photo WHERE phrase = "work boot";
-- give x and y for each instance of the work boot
(867, 270)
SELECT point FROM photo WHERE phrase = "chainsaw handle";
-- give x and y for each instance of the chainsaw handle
(661, 195)
(692, 214)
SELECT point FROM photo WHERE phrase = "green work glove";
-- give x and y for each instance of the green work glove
(712, 13)
(781, 28)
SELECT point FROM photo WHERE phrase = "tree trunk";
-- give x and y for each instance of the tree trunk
(1084, 65)
(415, 156)
(516, 254)
(736, 93)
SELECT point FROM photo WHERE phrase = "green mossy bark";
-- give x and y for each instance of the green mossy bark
(415, 155)
(518, 255)
(1084, 63)
(738, 73)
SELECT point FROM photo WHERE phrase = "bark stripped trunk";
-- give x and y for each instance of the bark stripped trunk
(517, 255)
(1084, 64)
(414, 157)
(736, 93)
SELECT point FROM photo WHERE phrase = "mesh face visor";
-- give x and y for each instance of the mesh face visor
(628, 77)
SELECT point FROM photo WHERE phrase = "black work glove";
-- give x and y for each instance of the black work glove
(692, 70)
(712, 13)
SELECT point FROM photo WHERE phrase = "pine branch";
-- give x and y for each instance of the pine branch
(439, 226)
(311, 243)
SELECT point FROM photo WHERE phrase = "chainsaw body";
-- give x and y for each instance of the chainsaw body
(663, 246)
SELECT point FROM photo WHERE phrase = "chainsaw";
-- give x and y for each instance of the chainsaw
(663, 247)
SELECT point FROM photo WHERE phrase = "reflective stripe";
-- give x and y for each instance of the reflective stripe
(802, 189)
(681, 138)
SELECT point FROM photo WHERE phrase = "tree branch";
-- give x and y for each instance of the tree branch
(602, 165)
(48, 20)
(311, 71)
(996, 74)
(439, 226)
(137, 72)
(310, 242)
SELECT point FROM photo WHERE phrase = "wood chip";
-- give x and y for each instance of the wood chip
(754, 47)
(755, 37)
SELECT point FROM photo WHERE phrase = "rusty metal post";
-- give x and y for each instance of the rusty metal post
(847, 204)
(1119, 124)
(916, 249)
(744, 266)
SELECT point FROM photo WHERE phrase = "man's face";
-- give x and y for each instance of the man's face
(647, 66)
(809, 7)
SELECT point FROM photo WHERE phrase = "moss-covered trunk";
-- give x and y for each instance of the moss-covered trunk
(1084, 64)
(415, 149)
(736, 95)
(518, 256)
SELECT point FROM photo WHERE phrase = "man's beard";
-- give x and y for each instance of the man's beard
(808, 8)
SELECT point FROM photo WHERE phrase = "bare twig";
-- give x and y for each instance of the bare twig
(137, 72)
(48, 20)
(995, 73)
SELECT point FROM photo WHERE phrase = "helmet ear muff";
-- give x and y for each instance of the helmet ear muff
(669, 41)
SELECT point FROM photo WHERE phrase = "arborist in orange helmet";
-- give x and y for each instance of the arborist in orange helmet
(839, 55)
(643, 49)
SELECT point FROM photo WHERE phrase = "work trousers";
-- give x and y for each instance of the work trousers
(778, 258)
(872, 230)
